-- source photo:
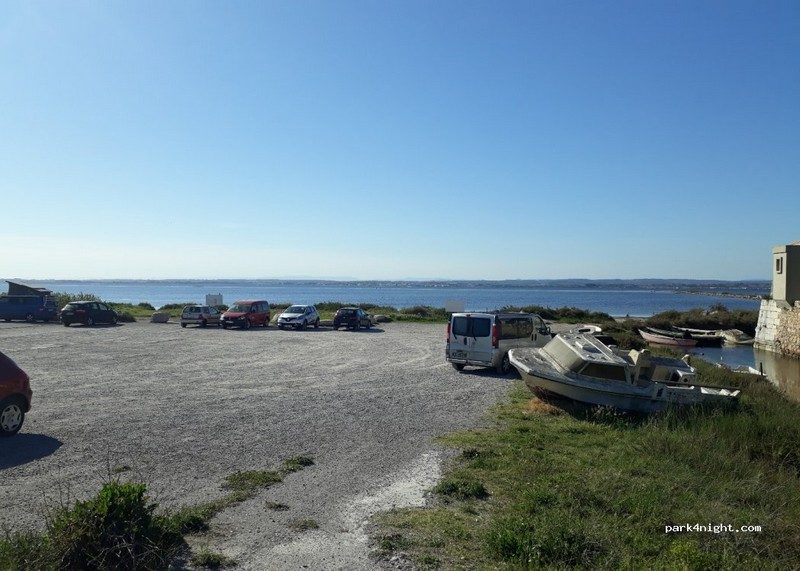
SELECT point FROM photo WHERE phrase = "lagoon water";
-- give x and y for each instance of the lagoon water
(617, 302)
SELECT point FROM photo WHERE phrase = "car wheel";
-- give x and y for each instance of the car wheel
(224, 325)
(336, 328)
(505, 365)
(303, 325)
(246, 324)
(357, 326)
(66, 324)
(6, 319)
(368, 325)
(316, 323)
(183, 325)
(266, 323)
(458, 366)
(89, 321)
(11, 417)
(114, 320)
(30, 318)
(280, 327)
(203, 323)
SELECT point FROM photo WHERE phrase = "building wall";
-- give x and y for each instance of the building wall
(786, 273)
(778, 328)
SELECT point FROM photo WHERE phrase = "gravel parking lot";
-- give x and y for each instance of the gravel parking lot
(183, 408)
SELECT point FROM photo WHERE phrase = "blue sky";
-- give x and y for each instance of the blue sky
(398, 139)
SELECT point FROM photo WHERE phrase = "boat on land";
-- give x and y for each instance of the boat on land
(579, 367)
(704, 337)
(736, 337)
(662, 337)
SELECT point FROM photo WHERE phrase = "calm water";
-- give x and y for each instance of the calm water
(615, 302)
(783, 371)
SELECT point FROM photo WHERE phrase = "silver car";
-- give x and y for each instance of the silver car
(201, 315)
(299, 317)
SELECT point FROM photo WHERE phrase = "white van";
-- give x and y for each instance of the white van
(484, 339)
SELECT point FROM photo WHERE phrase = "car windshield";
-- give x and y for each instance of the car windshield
(192, 309)
(75, 306)
(347, 311)
(296, 309)
(240, 307)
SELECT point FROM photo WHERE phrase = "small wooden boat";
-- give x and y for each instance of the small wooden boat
(579, 367)
(736, 337)
(661, 337)
(704, 337)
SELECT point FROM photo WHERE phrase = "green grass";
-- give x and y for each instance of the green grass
(121, 528)
(301, 525)
(211, 559)
(589, 488)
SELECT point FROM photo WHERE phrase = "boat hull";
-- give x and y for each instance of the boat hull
(647, 398)
(667, 340)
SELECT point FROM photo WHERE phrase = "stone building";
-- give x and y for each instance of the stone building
(778, 326)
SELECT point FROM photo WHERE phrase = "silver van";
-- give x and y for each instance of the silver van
(484, 339)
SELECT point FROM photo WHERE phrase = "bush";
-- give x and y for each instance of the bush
(716, 317)
(117, 529)
(173, 306)
(125, 317)
(145, 305)
(62, 298)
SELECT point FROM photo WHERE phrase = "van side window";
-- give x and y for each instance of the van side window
(508, 328)
(524, 327)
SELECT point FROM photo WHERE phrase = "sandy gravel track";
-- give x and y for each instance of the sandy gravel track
(186, 407)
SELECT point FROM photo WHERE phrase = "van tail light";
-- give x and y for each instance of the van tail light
(448, 331)
(495, 336)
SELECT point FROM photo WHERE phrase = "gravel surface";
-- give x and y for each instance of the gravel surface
(183, 408)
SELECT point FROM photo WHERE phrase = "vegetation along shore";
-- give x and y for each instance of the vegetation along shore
(551, 484)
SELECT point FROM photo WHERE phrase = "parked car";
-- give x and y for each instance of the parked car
(88, 313)
(299, 317)
(31, 308)
(352, 318)
(484, 339)
(15, 396)
(247, 313)
(201, 315)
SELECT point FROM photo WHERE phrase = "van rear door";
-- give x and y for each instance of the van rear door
(471, 338)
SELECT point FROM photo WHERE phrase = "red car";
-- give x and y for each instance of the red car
(15, 396)
(247, 313)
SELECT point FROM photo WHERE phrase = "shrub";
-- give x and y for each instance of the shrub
(117, 529)
(145, 305)
(125, 317)
(62, 298)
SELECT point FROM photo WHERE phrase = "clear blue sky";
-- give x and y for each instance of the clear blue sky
(380, 139)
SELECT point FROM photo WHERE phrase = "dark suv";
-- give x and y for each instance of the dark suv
(352, 318)
(88, 313)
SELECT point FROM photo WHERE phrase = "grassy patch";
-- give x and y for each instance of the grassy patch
(211, 559)
(576, 487)
(121, 528)
(302, 525)
(276, 506)
(296, 463)
(117, 529)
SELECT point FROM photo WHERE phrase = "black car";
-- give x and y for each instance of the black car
(88, 313)
(352, 318)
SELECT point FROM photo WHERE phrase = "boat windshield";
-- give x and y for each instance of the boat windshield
(604, 371)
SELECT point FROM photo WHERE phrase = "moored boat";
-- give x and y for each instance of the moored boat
(736, 337)
(704, 337)
(662, 337)
(581, 368)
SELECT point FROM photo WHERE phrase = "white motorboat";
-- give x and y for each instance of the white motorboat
(736, 337)
(580, 367)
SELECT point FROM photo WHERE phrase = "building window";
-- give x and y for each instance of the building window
(779, 265)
